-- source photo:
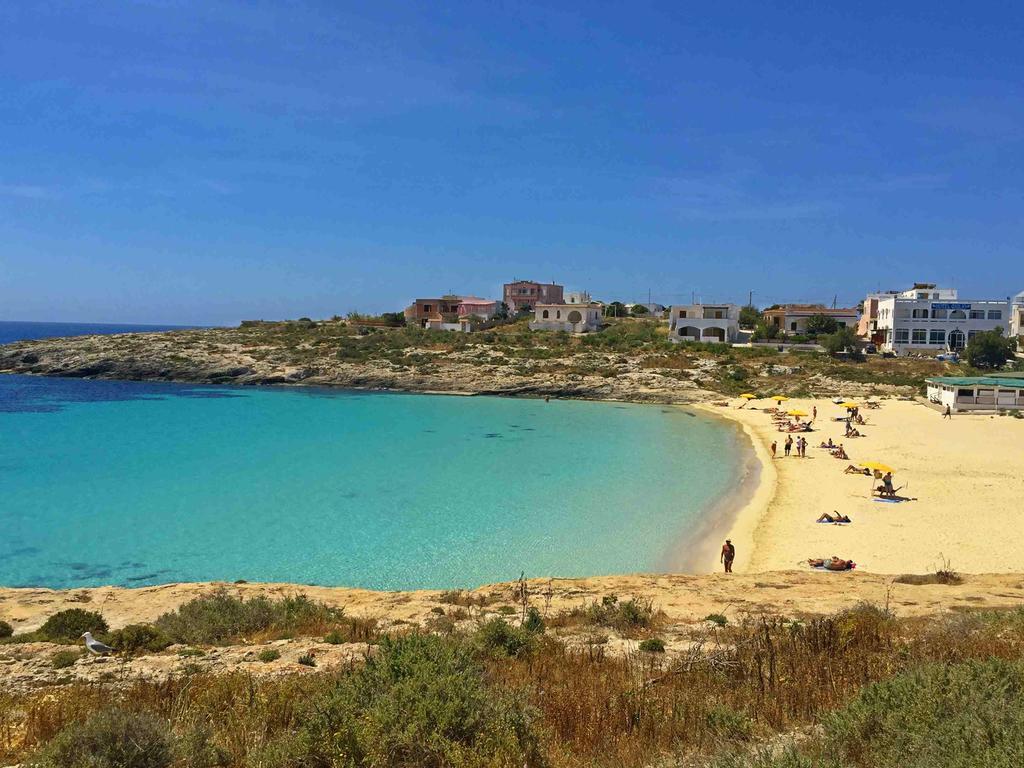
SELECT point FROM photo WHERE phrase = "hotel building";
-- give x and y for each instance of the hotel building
(927, 319)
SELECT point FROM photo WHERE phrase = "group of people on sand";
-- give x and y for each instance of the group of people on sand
(836, 449)
(799, 445)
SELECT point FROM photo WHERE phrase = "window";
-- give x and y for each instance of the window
(427, 307)
(558, 315)
(920, 336)
(682, 313)
(902, 336)
(957, 314)
(545, 315)
(965, 393)
(935, 295)
(971, 335)
(901, 312)
(937, 337)
(977, 314)
(995, 314)
(922, 295)
(792, 326)
(920, 313)
(939, 314)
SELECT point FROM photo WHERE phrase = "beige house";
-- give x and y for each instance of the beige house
(575, 318)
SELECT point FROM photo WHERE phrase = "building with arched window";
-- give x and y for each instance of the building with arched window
(703, 322)
(575, 318)
(926, 319)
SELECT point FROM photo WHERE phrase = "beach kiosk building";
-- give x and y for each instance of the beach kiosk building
(703, 322)
(977, 393)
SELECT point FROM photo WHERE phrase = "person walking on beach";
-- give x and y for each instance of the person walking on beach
(775, 447)
(728, 555)
(814, 412)
(789, 444)
(948, 413)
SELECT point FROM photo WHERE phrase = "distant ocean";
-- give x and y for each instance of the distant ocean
(115, 482)
(23, 331)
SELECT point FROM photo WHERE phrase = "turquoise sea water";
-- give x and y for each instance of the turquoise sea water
(137, 483)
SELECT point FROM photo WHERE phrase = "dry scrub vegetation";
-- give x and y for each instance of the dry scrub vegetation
(858, 688)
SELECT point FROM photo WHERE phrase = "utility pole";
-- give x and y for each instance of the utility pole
(750, 298)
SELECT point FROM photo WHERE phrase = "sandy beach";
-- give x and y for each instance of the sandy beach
(963, 477)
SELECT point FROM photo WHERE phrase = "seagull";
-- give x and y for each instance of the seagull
(95, 646)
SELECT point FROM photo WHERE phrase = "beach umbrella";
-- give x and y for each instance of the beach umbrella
(779, 398)
(748, 396)
(848, 404)
(878, 465)
(796, 413)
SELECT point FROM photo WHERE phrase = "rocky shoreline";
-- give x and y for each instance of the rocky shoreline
(213, 357)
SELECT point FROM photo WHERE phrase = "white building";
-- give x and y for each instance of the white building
(703, 322)
(577, 297)
(575, 318)
(932, 320)
(977, 393)
(1017, 319)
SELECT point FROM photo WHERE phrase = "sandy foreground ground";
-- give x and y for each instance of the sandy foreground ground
(964, 477)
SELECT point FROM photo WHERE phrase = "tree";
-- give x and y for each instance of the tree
(990, 349)
(750, 316)
(764, 331)
(842, 340)
(639, 310)
(502, 312)
(821, 324)
(615, 309)
(396, 319)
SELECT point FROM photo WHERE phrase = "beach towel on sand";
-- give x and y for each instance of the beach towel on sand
(823, 568)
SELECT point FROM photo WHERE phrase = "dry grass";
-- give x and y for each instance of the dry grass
(733, 685)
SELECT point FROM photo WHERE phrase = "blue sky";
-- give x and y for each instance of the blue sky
(205, 162)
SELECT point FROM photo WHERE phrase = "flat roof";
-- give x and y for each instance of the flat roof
(978, 381)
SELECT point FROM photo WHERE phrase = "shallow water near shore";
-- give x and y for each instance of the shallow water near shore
(144, 483)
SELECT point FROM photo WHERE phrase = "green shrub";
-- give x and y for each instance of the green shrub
(422, 701)
(628, 616)
(728, 723)
(307, 660)
(6, 630)
(958, 716)
(196, 748)
(334, 637)
(64, 659)
(498, 637)
(139, 637)
(109, 739)
(220, 616)
(534, 623)
(717, 618)
(268, 655)
(652, 645)
(71, 624)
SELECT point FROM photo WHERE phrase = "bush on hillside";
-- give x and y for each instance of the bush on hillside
(498, 637)
(71, 624)
(220, 616)
(110, 739)
(421, 701)
(6, 630)
(139, 637)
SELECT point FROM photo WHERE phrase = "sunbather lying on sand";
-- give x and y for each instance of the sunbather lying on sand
(830, 445)
(855, 470)
(835, 517)
(839, 452)
(831, 564)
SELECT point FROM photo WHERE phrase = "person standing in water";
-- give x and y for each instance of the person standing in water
(728, 555)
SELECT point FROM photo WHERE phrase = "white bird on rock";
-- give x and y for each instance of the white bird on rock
(95, 646)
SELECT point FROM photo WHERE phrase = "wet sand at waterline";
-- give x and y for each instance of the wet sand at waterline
(964, 476)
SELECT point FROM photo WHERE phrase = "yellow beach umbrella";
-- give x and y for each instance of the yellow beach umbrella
(796, 413)
(748, 396)
(878, 465)
(779, 398)
(848, 404)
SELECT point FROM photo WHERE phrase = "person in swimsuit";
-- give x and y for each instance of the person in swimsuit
(728, 555)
